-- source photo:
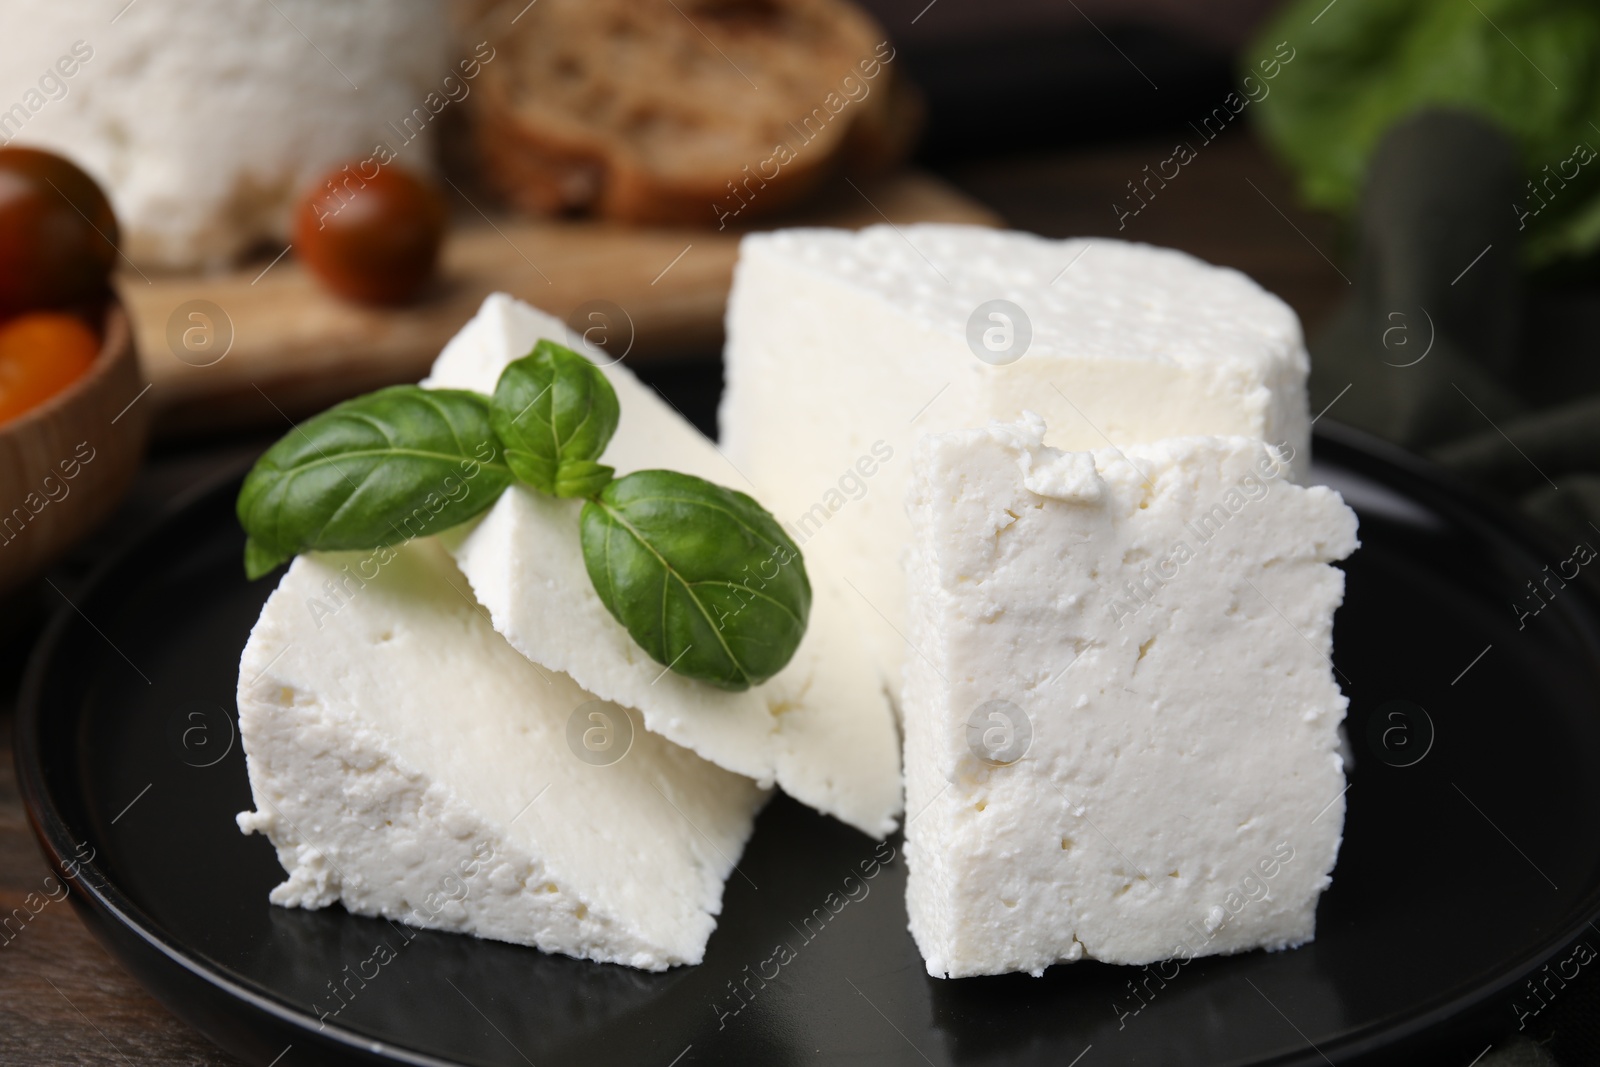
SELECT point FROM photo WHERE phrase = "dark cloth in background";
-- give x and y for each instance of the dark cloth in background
(1442, 351)
(1447, 349)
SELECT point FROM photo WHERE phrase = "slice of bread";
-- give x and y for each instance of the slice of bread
(700, 112)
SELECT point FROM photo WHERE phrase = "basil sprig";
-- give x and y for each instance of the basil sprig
(702, 577)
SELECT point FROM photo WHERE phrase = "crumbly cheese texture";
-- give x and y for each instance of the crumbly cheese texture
(1121, 717)
(407, 762)
(840, 342)
(205, 124)
(822, 728)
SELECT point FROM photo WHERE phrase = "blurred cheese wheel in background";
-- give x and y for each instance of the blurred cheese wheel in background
(205, 122)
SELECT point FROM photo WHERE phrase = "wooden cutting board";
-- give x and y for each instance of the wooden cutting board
(267, 342)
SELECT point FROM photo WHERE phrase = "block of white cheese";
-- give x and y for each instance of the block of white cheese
(822, 728)
(407, 762)
(843, 348)
(206, 123)
(1121, 716)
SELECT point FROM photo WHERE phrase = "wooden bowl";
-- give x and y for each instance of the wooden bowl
(65, 465)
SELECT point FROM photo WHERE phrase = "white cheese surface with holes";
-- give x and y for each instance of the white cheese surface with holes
(822, 728)
(839, 341)
(407, 762)
(1121, 716)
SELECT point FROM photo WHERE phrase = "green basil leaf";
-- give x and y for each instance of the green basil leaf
(702, 577)
(1351, 79)
(258, 561)
(399, 463)
(556, 412)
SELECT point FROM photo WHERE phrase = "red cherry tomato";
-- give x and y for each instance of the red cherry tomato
(41, 353)
(57, 233)
(374, 240)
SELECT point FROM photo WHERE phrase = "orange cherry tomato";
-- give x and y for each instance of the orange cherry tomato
(372, 239)
(41, 353)
(57, 233)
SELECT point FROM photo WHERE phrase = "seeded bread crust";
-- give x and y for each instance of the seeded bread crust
(692, 112)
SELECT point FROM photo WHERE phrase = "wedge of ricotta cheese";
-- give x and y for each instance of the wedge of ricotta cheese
(823, 728)
(1121, 717)
(407, 762)
(844, 347)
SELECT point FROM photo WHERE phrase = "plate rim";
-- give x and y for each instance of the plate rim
(108, 911)
(98, 897)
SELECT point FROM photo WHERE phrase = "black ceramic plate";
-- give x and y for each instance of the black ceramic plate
(1471, 855)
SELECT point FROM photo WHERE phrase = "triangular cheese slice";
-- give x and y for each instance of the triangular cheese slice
(409, 763)
(823, 728)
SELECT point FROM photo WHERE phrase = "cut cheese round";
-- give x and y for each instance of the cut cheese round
(842, 343)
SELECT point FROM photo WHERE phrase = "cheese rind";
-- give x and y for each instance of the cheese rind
(839, 342)
(1150, 635)
(409, 763)
(822, 728)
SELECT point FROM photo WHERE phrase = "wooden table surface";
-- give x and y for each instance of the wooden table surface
(62, 998)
